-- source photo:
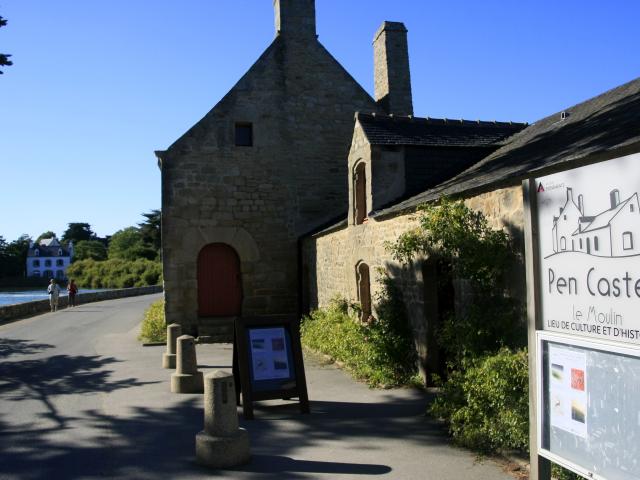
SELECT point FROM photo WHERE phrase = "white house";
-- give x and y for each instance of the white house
(614, 232)
(49, 259)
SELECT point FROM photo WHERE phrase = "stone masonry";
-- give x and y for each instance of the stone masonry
(392, 80)
(260, 199)
(330, 259)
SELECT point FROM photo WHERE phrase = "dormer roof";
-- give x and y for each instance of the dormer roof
(434, 132)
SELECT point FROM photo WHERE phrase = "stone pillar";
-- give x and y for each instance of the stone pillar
(187, 378)
(222, 444)
(169, 358)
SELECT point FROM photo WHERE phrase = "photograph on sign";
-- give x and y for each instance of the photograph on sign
(269, 354)
(589, 245)
(568, 390)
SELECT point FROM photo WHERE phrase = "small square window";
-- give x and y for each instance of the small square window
(244, 135)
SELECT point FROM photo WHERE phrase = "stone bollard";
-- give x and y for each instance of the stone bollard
(187, 378)
(169, 357)
(222, 444)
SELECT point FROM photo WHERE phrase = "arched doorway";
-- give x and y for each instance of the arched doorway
(219, 282)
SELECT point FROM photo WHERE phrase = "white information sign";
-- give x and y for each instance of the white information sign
(568, 390)
(589, 241)
(269, 353)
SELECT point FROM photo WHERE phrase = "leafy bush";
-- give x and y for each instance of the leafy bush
(484, 398)
(115, 273)
(486, 402)
(381, 352)
(472, 252)
(154, 328)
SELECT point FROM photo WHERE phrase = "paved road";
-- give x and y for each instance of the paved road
(80, 399)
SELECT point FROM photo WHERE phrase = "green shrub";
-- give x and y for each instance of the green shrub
(115, 273)
(154, 328)
(380, 353)
(486, 402)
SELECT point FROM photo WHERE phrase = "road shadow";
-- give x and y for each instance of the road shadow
(160, 442)
(12, 346)
(50, 378)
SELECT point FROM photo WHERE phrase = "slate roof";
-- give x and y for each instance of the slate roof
(45, 251)
(606, 123)
(434, 132)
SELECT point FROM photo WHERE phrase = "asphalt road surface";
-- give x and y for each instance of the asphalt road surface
(81, 399)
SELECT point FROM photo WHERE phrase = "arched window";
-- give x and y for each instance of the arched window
(37, 253)
(47, 263)
(596, 244)
(563, 243)
(364, 290)
(359, 193)
(60, 274)
(59, 252)
(36, 263)
(59, 262)
(627, 241)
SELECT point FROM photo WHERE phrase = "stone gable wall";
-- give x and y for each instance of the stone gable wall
(259, 199)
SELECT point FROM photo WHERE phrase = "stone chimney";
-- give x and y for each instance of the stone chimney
(295, 18)
(391, 69)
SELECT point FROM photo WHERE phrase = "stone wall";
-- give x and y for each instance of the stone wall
(27, 309)
(330, 261)
(259, 199)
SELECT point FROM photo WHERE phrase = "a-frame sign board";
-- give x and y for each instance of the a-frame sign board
(267, 361)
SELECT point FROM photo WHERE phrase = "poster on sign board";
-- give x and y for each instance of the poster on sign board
(269, 353)
(568, 390)
(589, 246)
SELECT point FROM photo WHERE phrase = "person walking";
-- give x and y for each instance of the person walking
(54, 293)
(72, 289)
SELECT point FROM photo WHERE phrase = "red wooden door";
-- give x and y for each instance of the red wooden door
(219, 285)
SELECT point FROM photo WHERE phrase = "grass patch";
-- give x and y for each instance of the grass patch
(154, 328)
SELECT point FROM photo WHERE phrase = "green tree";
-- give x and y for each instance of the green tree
(150, 229)
(4, 57)
(13, 256)
(127, 244)
(78, 232)
(44, 236)
(89, 250)
(4, 257)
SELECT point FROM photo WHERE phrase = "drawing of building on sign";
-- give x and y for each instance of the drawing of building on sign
(614, 232)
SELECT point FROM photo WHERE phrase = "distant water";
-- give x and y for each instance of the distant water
(10, 298)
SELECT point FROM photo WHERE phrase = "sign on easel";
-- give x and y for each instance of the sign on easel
(267, 361)
(585, 236)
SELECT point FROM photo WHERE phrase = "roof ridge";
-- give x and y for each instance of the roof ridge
(460, 121)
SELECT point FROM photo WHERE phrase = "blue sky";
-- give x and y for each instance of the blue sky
(97, 86)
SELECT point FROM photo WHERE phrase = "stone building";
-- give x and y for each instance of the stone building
(284, 194)
(265, 166)
(346, 258)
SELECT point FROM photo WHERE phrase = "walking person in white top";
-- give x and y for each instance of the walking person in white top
(54, 292)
